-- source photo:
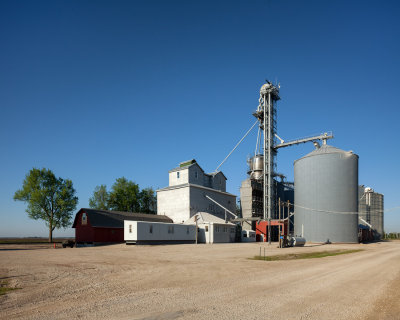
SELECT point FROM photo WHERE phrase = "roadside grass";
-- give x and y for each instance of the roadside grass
(4, 288)
(305, 255)
(30, 240)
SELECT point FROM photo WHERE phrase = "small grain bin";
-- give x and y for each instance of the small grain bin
(326, 195)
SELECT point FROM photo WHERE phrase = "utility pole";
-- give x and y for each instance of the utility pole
(288, 217)
(197, 230)
(279, 205)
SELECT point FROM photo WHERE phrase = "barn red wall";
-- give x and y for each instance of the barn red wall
(83, 233)
(87, 233)
(108, 234)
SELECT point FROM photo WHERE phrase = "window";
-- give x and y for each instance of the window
(244, 235)
(130, 228)
(151, 229)
(84, 218)
(216, 229)
(225, 229)
(206, 228)
(232, 230)
(177, 175)
(196, 175)
(170, 229)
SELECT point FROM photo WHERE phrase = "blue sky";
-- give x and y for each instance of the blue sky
(96, 90)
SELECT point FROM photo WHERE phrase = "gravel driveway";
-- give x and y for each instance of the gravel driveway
(208, 281)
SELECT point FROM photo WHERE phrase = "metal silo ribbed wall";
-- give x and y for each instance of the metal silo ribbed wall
(327, 180)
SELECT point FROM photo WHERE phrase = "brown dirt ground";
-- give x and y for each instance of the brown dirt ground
(203, 281)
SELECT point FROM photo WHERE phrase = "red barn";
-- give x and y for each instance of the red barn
(104, 227)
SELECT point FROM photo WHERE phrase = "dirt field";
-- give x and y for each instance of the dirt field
(202, 282)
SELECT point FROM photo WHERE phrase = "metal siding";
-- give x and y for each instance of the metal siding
(220, 236)
(370, 208)
(199, 203)
(174, 203)
(377, 214)
(141, 232)
(327, 181)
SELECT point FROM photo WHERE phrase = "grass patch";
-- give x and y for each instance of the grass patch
(4, 288)
(305, 255)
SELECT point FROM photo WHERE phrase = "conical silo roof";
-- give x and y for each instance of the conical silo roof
(325, 149)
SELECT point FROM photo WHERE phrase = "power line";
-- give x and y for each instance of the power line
(340, 212)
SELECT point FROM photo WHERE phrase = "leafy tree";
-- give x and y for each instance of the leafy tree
(49, 198)
(100, 198)
(148, 201)
(124, 196)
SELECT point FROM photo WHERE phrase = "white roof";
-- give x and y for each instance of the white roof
(205, 217)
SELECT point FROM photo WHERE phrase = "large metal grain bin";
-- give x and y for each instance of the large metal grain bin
(326, 195)
(370, 209)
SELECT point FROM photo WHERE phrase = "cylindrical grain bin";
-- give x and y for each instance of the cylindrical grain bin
(375, 203)
(326, 195)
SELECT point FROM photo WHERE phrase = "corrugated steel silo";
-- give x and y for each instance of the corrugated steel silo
(326, 195)
(375, 203)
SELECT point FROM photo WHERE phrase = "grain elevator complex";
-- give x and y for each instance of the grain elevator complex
(324, 203)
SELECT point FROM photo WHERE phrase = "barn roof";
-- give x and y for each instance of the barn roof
(115, 219)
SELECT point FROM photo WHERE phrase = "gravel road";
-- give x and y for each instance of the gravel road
(200, 281)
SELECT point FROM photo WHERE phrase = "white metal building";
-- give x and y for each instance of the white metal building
(248, 236)
(212, 229)
(141, 232)
(186, 194)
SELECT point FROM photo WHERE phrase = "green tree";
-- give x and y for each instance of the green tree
(48, 198)
(100, 198)
(124, 196)
(148, 201)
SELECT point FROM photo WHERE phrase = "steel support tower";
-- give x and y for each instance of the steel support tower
(266, 115)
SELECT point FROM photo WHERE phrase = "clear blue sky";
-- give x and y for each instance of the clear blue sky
(96, 90)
